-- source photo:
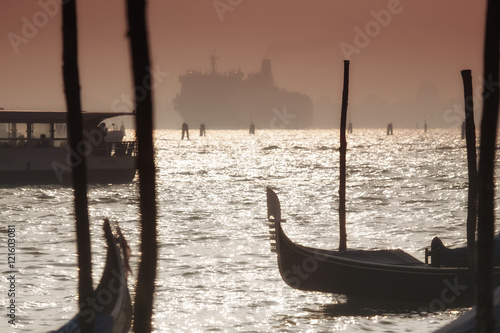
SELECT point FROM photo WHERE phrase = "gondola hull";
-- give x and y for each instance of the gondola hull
(374, 275)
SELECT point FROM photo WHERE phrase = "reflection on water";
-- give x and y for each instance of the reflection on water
(216, 272)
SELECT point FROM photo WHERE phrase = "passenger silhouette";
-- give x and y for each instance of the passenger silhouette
(103, 129)
(43, 142)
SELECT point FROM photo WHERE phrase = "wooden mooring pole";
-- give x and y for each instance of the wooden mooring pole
(146, 279)
(343, 151)
(486, 206)
(390, 130)
(79, 173)
(470, 131)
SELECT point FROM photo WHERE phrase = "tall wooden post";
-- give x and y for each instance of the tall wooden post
(486, 215)
(79, 174)
(342, 151)
(470, 130)
(139, 47)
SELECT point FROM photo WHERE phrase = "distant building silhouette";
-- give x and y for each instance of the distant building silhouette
(228, 99)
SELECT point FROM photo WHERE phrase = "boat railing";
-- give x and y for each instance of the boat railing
(13, 143)
(121, 148)
(33, 143)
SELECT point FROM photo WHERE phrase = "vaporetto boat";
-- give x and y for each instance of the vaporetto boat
(34, 149)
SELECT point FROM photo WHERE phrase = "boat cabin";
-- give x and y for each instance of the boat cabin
(46, 128)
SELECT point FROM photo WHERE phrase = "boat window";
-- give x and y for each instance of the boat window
(60, 131)
(13, 134)
(39, 129)
(60, 134)
(41, 135)
(12, 130)
(4, 130)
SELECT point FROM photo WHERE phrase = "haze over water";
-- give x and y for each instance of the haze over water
(406, 56)
(216, 272)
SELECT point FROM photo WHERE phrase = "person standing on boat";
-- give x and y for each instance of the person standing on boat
(21, 142)
(103, 129)
(100, 140)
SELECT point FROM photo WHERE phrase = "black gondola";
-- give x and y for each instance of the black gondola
(112, 306)
(371, 275)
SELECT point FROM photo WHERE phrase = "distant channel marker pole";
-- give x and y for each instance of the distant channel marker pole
(342, 152)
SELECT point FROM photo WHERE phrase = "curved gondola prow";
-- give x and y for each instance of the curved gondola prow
(112, 304)
(116, 274)
(274, 218)
(273, 205)
(277, 236)
(289, 254)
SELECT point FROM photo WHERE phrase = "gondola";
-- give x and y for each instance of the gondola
(112, 306)
(392, 275)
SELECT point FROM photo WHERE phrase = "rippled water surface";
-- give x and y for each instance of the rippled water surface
(216, 272)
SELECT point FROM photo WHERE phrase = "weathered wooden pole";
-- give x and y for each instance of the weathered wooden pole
(252, 128)
(390, 130)
(470, 131)
(342, 152)
(78, 162)
(185, 131)
(139, 48)
(486, 215)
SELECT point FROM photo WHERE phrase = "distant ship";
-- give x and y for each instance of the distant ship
(230, 100)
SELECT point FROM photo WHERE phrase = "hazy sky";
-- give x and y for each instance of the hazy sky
(406, 55)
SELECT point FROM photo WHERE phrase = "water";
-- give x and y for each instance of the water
(216, 272)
